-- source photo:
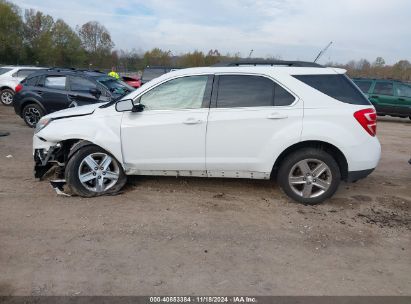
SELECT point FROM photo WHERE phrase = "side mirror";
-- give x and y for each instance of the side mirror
(95, 92)
(138, 108)
(124, 105)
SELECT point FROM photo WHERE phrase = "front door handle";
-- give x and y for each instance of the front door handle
(277, 116)
(192, 121)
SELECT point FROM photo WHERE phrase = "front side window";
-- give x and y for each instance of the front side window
(244, 91)
(384, 88)
(363, 85)
(337, 86)
(55, 82)
(80, 84)
(403, 90)
(180, 93)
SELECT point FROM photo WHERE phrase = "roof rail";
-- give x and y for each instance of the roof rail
(256, 62)
(58, 69)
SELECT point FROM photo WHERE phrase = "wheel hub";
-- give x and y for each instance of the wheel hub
(98, 172)
(310, 178)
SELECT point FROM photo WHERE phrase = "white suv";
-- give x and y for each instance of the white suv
(10, 77)
(305, 125)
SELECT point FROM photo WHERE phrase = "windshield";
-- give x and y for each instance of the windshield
(4, 70)
(117, 87)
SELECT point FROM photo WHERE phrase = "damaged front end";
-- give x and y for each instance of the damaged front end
(46, 159)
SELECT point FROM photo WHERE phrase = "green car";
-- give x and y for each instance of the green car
(389, 97)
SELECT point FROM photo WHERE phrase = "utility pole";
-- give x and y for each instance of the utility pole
(251, 52)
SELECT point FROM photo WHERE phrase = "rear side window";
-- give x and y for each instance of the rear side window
(244, 91)
(24, 73)
(384, 88)
(338, 87)
(55, 82)
(4, 70)
(403, 90)
(363, 85)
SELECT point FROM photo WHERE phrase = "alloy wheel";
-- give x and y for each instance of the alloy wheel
(98, 172)
(32, 116)
(310, 178)
(7, 98)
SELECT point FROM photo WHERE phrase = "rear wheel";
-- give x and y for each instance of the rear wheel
(32, 114)
(309, 176)
(6, 96)
(92, 171)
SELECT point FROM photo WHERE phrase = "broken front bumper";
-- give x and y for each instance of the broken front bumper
(46, 158)
(42, 160)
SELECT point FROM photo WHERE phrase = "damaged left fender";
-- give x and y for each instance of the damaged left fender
(52, 144)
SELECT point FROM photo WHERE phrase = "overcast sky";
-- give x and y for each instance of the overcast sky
(291, 29)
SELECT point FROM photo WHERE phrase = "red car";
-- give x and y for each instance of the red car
(134, 82)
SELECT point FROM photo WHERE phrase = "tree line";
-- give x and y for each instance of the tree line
(34, 38)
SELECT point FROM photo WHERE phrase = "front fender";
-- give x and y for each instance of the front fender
(101, 130)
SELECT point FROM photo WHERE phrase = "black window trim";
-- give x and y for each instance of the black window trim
(214, 95)
(207, 93)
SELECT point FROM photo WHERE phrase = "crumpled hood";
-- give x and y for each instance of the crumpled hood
(76, 111)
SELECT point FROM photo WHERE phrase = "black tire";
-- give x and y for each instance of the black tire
(289, 167)
(73, 170)
(6, 97)
(31, 114)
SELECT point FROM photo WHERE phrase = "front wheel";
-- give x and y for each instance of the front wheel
(32, 114)
(309, 176)
(92, 171)
(6, 97)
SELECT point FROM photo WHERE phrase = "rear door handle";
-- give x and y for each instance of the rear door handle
(192, 121)
(39, 92)
(277, 116)
(374, 96)
(401, 99)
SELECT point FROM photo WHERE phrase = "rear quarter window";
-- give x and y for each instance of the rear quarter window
(30, 81)
(338, 86)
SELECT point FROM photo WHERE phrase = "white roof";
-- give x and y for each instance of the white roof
(21, 67)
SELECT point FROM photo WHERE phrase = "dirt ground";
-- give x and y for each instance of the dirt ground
(189, 236)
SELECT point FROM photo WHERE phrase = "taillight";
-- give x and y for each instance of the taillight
(18, 88)
(368, 120)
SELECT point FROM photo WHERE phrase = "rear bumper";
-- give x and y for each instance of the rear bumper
(354, 176)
